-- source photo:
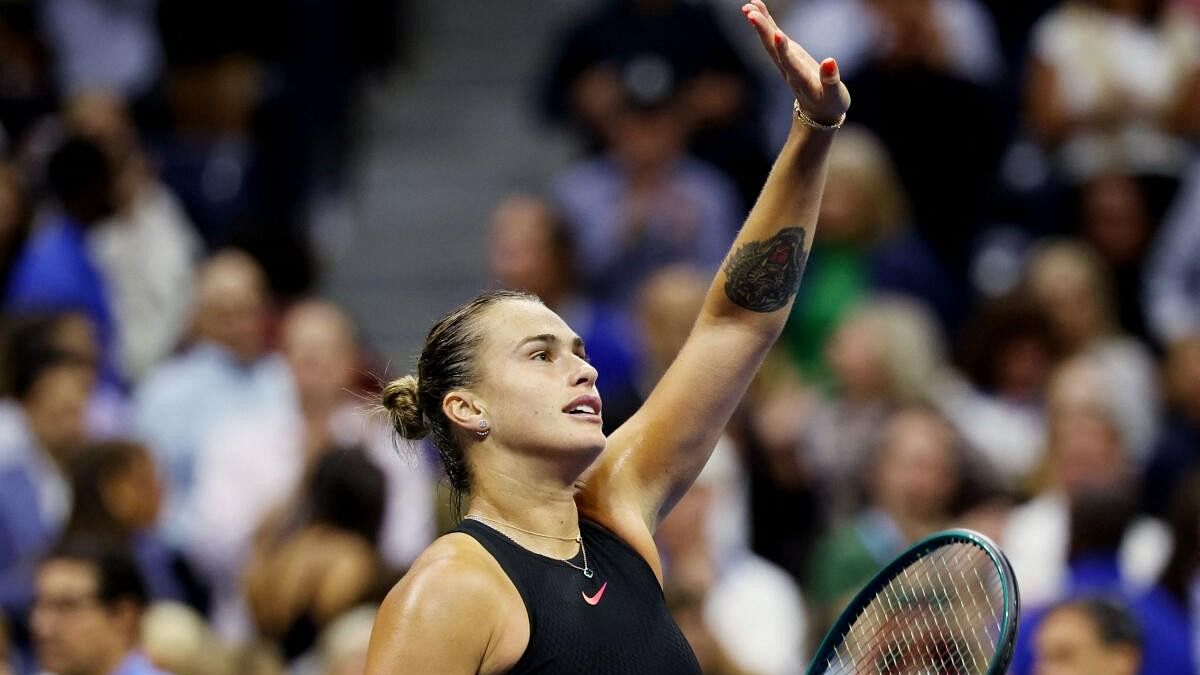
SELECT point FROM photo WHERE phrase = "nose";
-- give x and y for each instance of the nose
(585, 373)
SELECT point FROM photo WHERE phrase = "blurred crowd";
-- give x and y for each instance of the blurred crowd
(998, 328)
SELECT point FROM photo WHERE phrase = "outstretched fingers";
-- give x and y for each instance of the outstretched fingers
(793, 61)
(818, 85)
(763, 25)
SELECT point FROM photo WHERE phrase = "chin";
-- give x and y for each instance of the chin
(592, 443)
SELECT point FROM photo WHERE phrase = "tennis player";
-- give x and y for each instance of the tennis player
(554, 568)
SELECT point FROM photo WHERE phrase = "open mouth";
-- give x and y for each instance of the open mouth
(584, 406)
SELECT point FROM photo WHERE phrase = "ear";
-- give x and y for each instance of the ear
(465, 411)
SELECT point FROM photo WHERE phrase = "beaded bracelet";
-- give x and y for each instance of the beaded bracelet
(803, 117)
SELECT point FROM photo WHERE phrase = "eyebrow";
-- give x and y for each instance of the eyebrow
(551, 339)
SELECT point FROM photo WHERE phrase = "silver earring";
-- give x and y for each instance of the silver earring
(483, 429)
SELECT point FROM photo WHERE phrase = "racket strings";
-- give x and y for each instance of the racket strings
(940, 616)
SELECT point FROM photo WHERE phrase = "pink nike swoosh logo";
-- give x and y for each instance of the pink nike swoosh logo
(595, 599)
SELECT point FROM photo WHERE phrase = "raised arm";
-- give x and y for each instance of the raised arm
(653, 458)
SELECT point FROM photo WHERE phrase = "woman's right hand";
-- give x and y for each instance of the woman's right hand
(818, 86)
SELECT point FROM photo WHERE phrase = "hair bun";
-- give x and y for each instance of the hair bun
(400, 399)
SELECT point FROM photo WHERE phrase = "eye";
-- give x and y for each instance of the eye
(584, 356)
(541, 356)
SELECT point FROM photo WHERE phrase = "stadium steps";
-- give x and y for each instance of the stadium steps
(438, 142)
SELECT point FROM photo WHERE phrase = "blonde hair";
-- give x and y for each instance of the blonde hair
(912, 350)
(1067, 255)
(859, 153)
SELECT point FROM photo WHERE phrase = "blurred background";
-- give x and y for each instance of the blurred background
(223, 224)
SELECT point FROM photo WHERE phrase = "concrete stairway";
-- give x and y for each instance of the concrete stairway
(438, 143)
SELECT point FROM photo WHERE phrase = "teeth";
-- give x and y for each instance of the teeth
(584, 409)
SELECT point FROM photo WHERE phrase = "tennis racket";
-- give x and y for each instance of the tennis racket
(946, 606)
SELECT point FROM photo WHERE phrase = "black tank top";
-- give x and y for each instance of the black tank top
(615, 623)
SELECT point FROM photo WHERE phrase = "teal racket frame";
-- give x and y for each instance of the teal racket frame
(1011, 597)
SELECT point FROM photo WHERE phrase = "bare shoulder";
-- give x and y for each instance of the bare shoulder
(449, 614)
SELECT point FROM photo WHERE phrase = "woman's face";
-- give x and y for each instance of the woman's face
(1086, 450)
(845, 208)
(917, 470)
(1071, 301)
(135, 495)
(856, 357)
(533, 374)
(522, 252)
(56, 407)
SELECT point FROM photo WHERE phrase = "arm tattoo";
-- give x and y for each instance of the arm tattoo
(762, 276)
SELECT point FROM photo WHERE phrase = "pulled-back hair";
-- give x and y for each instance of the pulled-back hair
(447, 362)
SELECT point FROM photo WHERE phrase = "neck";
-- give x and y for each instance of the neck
(516, 493)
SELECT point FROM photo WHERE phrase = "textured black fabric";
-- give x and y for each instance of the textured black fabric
(628, 631)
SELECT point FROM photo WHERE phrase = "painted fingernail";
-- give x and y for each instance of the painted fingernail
(828, 67)
(778, 39)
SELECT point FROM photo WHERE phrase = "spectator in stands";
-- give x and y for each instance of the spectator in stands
(177, 639)
(1006, 354)
(27, 91)
(16, 215)
(56, 271)
(227, 372)
(944, 51)
(530, 249)
(646, 203)
(86, 619)
(317, 559)
(260, 460)
(1099, 517)
(1170, 294)
(667, 306)
(42, 427)
(342, 649)
(1115, 86)
(1176, 451)
(1069, 281)
(1085, 449)
(886, 353)
(117, 494)
(1089, 637)
(1118, 215)
(718, 101)
(74, 334)
(914, 483)
(956, 35)
(148, 249)
(862, 243)
(741, 613)
(101, 47)
(1181, 577)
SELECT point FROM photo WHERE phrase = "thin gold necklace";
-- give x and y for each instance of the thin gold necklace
(578, 539)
